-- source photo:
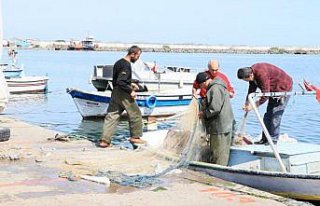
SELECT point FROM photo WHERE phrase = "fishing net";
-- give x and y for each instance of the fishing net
(241, 137)
(186, 141)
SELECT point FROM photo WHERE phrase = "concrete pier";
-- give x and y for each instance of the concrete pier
(36, 169)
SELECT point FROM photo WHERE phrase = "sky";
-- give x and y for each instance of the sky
(209, 22)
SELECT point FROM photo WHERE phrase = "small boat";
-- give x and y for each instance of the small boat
(289, 169)
(75, 45)
(28, 84)
(88, 43)
(11, 71)
(95, 104)
(155, 79)
(255, 166)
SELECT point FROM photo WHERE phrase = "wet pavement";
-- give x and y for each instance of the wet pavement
(36, 171)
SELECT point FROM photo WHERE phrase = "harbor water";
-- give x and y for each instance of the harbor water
(72, 69)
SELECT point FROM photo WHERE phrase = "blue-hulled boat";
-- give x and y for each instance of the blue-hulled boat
(11, 71)
(151, 104)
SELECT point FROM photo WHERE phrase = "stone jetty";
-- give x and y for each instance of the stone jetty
(162, 47)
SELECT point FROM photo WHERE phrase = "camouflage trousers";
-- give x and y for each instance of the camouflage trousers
(120, 102)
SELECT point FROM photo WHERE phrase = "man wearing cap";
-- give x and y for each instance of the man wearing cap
(268, 78)
(213, 72)
(218, 117)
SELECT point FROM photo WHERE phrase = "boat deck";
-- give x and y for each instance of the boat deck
(299, 158)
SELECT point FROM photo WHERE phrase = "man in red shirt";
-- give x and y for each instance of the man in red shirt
(268, 78)
(213, 71)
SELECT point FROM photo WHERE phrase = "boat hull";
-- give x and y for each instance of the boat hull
(27, 85)
(12, 73)
(297, 186)
(92, 105)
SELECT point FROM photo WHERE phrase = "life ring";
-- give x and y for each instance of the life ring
(151, 101)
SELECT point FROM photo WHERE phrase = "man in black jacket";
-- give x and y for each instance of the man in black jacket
(123, 98)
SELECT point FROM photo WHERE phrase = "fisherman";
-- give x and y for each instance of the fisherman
(218, 116)
(123, 99)
(213, 71)
(268, 78)
(12, 54)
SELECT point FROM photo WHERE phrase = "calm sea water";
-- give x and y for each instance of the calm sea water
(56, 110)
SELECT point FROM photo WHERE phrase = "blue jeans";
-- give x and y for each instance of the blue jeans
(272, 117)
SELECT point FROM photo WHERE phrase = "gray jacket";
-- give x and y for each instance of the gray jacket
(218, 114)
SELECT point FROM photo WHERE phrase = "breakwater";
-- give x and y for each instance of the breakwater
(176, 48)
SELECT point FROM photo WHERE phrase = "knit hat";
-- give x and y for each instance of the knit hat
(202, 77)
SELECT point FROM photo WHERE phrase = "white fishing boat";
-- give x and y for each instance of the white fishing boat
(28, 84)
(95, 104)
(290, 169)
(256, 166)
(89, 43)
(155, 78)
(11, 71)
(17, 82)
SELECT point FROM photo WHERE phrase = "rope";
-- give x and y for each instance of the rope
(68, 137)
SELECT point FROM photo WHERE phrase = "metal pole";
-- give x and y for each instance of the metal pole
(278, 94)
(159, 80)
(266, 132)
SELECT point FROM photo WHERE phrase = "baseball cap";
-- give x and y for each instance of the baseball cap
(202, 77)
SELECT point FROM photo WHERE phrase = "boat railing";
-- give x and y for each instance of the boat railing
(264, 128)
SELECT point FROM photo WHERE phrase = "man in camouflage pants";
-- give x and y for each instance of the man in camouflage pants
(123, 98)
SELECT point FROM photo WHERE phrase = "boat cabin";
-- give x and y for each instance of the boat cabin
(103, 71)
(88, 43)
(102, 75)
(178, 69)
